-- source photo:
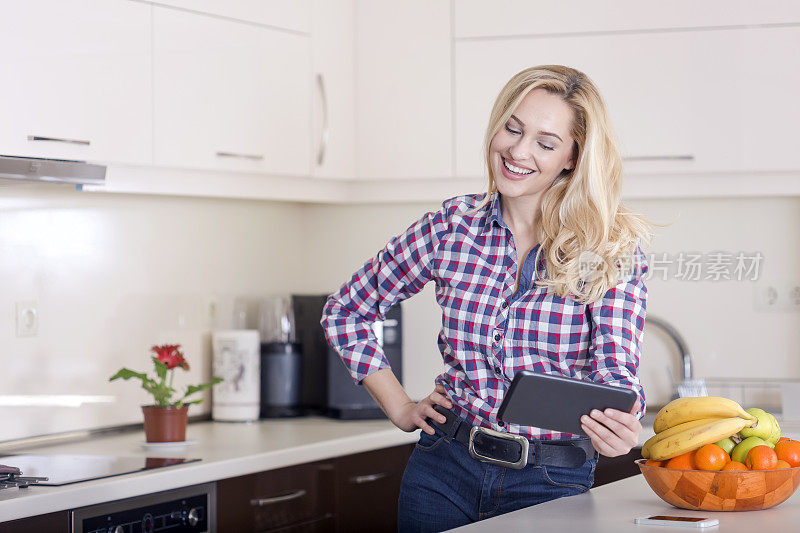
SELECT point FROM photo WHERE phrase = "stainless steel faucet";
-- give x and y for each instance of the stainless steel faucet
(669, 329)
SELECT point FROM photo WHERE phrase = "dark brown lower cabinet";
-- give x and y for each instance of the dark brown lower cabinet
(319, 525)
(610, 469)
(277, 500)
(351, 493)
(51, 522)
(367, 487)
(347, 494)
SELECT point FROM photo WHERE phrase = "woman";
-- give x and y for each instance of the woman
(545, 273)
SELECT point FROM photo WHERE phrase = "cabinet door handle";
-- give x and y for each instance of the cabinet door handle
(254, 157)
(679, 157)
(260, 502)
(323, 140)
(58, 140)
(368, 478)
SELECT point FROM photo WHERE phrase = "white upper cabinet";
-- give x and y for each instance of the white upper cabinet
(230, 95)
(403, 89)
(257, 98)
(288, 14)
(510, 18)
(76, 80)
(767, 87)
(682, 101)
(333, 42)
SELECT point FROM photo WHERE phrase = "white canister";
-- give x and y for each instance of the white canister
(237, 360)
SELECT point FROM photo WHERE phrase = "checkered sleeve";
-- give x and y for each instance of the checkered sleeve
(400, 270)
(617, 326)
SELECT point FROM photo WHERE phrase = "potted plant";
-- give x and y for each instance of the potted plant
(165, 420)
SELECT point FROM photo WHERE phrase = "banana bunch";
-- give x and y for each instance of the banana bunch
(686, 424)
(693, 408)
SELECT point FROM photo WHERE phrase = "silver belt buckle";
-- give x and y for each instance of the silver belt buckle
(523, 442)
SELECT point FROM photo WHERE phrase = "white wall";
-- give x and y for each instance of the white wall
(114, 274)
(340, 239)
(725, 335)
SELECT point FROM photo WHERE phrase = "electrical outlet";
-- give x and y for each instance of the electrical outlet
(27, 319)
(777, 297)
(794, 299)
(211, 309)
(766, 298)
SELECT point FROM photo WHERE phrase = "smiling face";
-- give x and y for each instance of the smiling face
(533, 147)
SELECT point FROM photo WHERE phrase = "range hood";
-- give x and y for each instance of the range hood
(51, 170)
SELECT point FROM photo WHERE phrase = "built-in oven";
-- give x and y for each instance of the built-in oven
(185, 509)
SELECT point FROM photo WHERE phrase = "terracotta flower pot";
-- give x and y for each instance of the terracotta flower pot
(165, 424)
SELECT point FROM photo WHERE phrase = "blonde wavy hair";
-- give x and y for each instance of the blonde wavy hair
(581, 214)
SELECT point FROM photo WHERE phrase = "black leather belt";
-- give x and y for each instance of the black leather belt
(513, 451)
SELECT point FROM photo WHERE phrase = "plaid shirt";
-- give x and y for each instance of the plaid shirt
(488, 332)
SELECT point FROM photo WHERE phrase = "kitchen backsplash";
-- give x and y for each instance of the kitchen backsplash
(113, 274)
(725, 334)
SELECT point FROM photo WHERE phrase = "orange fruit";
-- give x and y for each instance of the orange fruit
(783, 464)
(651, 462)
(734, 466)
(784, 438)
(711, 457)
(761, 458)
(682, 462)
(789, 451)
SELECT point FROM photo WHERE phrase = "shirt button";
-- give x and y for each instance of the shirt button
(497, 337)
(501, 423)
(497, 370)
(504, 305)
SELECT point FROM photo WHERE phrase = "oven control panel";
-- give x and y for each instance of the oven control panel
(186, 509)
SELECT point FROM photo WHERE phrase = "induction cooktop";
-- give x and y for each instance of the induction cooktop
(66, 469)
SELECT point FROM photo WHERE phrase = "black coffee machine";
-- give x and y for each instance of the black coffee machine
(281, 359)
(327, 387)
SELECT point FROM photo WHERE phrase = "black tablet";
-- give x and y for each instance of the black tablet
(557, 403)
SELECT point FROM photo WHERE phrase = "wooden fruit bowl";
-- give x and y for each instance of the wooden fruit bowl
(721, 491)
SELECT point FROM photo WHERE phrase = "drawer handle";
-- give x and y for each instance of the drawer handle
(254, 157)
(368, 478)
(260, 502)
(679, 157)
(58, 140)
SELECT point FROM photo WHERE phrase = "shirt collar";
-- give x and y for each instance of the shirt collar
(495, 214)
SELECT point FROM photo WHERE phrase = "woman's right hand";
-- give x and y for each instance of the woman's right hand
(410, 416)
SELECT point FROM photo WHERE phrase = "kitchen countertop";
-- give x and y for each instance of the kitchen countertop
(226, 449)
(231, 449)
(613, 507)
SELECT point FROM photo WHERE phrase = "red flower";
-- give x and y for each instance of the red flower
(170, 355)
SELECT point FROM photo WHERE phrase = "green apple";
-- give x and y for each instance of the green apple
(741, 450)
(726, 444)
(776, 430)
(763, 426)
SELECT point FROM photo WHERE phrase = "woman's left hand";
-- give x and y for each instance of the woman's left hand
(613, 433)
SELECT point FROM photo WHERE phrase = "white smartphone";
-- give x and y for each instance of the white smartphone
(677, 521)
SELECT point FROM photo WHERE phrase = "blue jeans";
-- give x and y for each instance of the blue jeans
(444, 487)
